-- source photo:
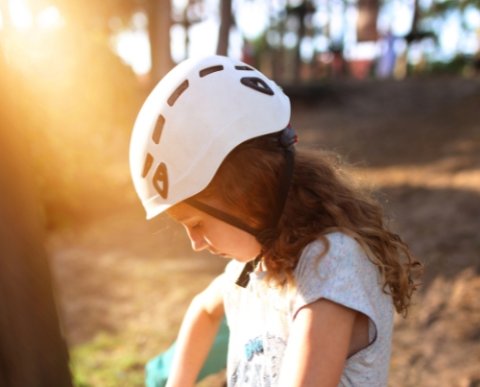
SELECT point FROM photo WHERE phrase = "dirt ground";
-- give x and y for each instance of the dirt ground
(416, 143)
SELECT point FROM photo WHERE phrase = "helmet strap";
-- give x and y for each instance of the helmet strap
(249, 267)
(223, 216)
(244, 277)
(287, 139)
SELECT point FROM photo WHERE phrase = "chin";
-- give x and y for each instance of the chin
(242, 259)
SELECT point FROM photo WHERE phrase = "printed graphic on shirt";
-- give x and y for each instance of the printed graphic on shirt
(253, 347)
(259, 365)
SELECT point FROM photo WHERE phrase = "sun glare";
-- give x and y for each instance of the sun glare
(49, 18)
(20, 14)
(134, 49)
(22, 17)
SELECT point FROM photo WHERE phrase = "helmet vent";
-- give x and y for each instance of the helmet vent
(160, 180)
(158, 129)
(210, 70)
(244, 68)
(257, 84)
(177, 93)
(147, 165)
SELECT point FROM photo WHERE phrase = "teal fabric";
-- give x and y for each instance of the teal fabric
(158, 368)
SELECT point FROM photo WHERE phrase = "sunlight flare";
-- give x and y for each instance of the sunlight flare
(20, 14)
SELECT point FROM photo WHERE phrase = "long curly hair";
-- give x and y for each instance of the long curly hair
(320, 200)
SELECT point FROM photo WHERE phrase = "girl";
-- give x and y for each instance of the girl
(315, 274)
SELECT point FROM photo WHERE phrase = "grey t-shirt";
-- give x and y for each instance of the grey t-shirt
(260, 316)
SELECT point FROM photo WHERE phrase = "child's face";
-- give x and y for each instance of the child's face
(218, 237)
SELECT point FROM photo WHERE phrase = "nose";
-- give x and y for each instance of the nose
(197, 241)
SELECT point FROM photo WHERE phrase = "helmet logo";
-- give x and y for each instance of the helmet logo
(257, 84)
(160, 180)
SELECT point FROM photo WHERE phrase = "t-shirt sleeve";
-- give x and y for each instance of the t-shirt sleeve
(343, 275)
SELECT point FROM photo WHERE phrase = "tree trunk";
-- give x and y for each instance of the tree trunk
(367, 20)
(416, 18)
(32, 349)
(300, 13)
(226, 22)
(159, 23)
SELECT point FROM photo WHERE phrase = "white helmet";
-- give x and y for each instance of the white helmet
(196, 115)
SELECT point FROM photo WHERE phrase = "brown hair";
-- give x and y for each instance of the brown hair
(320, 200)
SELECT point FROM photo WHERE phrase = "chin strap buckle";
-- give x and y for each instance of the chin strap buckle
(288, 138)
(244, 277)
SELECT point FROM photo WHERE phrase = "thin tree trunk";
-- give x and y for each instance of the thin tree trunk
(226, 22)
(159, 23)
(416, 17)
(32, 349)
(301, 13)
(367, 20)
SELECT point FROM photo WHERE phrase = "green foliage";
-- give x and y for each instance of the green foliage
(108, 361)
(439, 7)
(460, 64)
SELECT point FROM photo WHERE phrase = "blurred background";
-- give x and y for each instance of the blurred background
(393, 86)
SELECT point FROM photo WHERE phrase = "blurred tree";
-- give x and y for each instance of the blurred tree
(416, 32)
(32, 349)
(300, 13)
(89, 15)
(367, 20)
(276, 31)
(444, 8)
(96, 16)
(440, 7)
(192, 12)
(226, 22)
(82, 102)
(159, 24)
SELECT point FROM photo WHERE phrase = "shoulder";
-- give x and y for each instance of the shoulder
(336, 267)
(332, 252)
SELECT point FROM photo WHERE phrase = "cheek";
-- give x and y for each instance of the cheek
(231, 240)
(247, 246)
(252, 250)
